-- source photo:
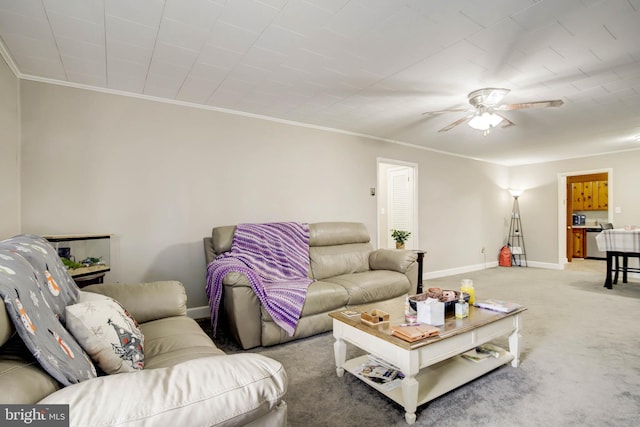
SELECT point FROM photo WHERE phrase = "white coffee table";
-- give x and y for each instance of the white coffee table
(432, 366)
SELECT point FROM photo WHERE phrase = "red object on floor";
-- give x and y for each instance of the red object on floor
(505, 257)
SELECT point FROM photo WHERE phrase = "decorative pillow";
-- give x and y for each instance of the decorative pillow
(59, 288)
(51, 344)
(107, 332)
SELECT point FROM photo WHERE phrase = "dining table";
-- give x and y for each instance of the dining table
(619, 242)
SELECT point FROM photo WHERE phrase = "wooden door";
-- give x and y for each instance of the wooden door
(578, 242)
(601, 195)
(577, 201)
(587, 195)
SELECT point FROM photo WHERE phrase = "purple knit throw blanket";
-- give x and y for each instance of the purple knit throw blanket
(275, 259)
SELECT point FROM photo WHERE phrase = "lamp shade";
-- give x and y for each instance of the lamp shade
(485, 121)
(515, 193)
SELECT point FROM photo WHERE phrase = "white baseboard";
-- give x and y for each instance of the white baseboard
(458, 270)
(547, 265)
(477, 267)
(199, 312)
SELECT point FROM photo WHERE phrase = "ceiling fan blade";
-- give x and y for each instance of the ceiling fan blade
(454, 124)
(505, 122)
(535, 104)
(450, 110)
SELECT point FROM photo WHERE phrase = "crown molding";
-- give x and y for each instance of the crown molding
(234, 112)
(9, 59)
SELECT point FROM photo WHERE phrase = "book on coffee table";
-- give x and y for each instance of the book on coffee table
(414, 332)
(497, 305)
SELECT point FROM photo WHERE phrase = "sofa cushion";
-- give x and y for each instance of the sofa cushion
(330, 261)
(313, 324)
(226, 390)
(23, 379)
(173, 340)
(234, 278)
(322, 297)
(146, 301)
(24, 382)
(337, 233)
(370, 286)
(107, 332)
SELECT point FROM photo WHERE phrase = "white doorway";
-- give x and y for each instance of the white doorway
(397, 201)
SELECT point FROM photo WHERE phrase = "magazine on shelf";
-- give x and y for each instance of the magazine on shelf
(497, 305)
(482, 353)
(380, 372)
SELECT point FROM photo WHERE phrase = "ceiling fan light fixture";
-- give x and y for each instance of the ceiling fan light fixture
(484, 121)
(485, 101)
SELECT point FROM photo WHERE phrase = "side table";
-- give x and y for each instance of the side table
(420, 263)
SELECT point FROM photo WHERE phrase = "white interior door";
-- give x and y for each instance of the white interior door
(397, 202)
(400, 202)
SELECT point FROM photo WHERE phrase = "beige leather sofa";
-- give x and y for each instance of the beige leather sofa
(186, 380)
(347, 271)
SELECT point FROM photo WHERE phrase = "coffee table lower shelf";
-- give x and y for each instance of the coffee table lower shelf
(437, 379)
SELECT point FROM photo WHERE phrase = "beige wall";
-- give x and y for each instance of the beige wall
(9, 153)
(160, 176)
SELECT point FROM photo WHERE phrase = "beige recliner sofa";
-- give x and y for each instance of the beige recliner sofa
(186, 380)
(347, 271)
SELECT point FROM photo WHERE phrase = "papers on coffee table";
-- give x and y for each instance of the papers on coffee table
(498, 305)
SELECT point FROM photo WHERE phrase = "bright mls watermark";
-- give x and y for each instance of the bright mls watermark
(34, 415)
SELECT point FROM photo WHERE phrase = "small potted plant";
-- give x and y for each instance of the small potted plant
(400, 236)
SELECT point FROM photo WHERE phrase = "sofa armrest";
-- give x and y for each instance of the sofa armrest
(146, 301)
(213, 391)
(392, 259)
(209, 252)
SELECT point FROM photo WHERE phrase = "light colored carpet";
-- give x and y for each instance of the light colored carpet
(580, 364)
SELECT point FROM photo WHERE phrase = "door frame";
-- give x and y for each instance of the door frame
(564, 205)
(382, 201)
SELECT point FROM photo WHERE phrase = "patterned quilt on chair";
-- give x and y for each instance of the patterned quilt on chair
(275, 259)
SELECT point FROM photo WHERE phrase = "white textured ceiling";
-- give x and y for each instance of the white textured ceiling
(369, 67)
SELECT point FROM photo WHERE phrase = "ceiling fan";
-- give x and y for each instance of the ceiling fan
(485, 102)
